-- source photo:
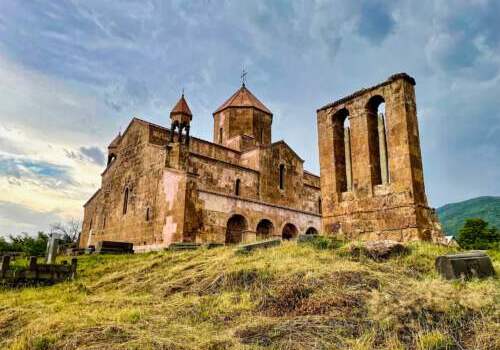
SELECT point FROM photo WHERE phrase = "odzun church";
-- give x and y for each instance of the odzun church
(163, 186)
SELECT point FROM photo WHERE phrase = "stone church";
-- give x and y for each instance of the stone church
(163, 186)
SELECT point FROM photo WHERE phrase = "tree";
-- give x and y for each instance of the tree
(70, 230)
(4, 245)
(28, 245)
(475, 234)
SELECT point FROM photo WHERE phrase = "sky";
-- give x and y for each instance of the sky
(74, 73)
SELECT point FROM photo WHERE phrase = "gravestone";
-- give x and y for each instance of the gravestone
(464, 265)
(52, 248)
(113, 247)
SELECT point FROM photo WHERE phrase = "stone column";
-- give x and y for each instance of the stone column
(348, 167)
(384, 169)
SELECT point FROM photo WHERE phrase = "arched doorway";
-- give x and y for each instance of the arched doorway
(311, 231)
(235, 228)
(289, 232)
(265, 229)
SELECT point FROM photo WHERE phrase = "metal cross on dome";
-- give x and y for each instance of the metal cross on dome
(243, 77)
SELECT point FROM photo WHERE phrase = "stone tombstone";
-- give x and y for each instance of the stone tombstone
(52, 247)
(464, 265)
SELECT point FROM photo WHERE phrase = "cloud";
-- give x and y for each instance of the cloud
(95, 154)
(74, 73)
(375, 21)
(16, 218)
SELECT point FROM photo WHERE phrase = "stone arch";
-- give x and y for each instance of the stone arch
(235, 228)
(265, 229)
(289, 231)
(311, 231)
(342, 149)
(377, 140)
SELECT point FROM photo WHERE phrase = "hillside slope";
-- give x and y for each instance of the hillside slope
(288, 297)
(453, 215)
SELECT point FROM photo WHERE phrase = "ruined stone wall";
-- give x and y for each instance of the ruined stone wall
(371, 209)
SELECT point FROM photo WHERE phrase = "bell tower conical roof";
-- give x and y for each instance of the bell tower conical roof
(181, 108)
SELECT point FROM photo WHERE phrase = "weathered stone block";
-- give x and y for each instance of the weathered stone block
(258, 245)
(465, 265)
(378, 250)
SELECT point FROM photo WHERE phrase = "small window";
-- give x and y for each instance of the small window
(237, 187)
(319, 205)
(221, 131)
(125, 202)
(104, 222)
(148, 214)
(90, 224)
(282, 176)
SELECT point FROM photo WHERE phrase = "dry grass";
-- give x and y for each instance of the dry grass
(309, 296)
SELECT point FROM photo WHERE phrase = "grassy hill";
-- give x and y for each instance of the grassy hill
(288, 297)
(453, 215)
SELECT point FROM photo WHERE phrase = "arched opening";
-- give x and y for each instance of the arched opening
(111, 158)
(342, 149)
(311, 231)
(377, 140)
(237, 187)
(235, 228)
(282, 176)
(125, 201)
(289, 232)
(265, 229)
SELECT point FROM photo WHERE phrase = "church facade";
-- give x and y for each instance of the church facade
(163, 186)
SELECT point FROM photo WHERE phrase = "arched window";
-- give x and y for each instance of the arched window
(282, 176)
(125, 201)
(148, 214)
(342, 149)
(237, 187)
(221, 132)
(377, 140)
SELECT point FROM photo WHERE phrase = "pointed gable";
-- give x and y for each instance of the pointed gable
(243, 98)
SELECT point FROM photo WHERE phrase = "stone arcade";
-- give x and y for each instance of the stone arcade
(162, 186)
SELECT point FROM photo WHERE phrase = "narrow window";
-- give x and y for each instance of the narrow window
(90, 224)
(319, 205)
(147, 214)
(220, 135)
(282, 176)
(237, 187)
(104, 222)
(125, 202)
(262, 135)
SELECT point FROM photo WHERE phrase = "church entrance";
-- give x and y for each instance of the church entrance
(265, 229)
(235, 228)
(289, 232)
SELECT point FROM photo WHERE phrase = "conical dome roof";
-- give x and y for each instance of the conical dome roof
(243, 98)
(181, 107)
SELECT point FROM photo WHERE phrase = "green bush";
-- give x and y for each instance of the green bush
(477, 235)
(28, 245)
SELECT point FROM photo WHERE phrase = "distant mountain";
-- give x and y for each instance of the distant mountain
(453, 215)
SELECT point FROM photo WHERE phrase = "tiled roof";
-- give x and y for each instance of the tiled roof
(181, 107)
(243, 98)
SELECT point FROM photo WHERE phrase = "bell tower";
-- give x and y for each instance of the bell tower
(180, 118)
